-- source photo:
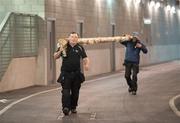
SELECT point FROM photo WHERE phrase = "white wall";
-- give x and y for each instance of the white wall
(119, 54)
(21, 73)
(99, 61)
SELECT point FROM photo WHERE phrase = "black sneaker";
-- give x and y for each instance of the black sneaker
(133, 92)
(130, 90)
(66, 111)
(74, 111)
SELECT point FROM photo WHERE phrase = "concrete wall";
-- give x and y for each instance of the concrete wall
(21, 73)
(41, 76)
(97, 16)
(161, 37)
(120, 53)
(98, 64)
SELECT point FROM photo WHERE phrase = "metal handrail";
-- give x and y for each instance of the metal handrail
(2, 25)
(5, 20)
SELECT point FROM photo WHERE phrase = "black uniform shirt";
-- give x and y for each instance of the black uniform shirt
(71, 62)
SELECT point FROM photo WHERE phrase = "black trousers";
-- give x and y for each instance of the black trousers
(131, 71)
(70, 90)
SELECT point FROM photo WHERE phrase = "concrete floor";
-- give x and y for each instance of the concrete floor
(105, 100)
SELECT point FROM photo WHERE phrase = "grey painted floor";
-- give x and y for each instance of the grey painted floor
(103, 101)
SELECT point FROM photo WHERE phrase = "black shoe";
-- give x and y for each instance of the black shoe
(130, 90)
(66, 111)
(133, 92)
(74, 111)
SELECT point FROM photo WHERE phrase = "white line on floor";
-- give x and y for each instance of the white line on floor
(173, 106)
(22, 99)
(93, 116)
(35, 94)
(3, 100)
(60, 116)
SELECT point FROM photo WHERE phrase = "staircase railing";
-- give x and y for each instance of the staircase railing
(18, 38)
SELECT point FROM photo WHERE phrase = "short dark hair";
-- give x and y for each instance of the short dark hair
(73, 33)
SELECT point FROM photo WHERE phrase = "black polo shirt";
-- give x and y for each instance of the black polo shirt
(71, 62)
